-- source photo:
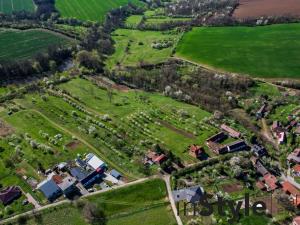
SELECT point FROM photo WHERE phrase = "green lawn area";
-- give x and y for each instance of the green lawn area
(9, 6)
(134, 47)
(282, 112)
(133, 21)
(16, 44)
(92, 10)
(130, 205)
(266, 51)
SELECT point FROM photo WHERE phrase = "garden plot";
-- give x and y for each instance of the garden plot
(138, 115)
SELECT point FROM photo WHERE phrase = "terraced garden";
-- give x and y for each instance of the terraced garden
(92, 10)
(267, 51)
(15, 44)
(9, 6)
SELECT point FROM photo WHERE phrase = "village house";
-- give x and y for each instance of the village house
(294, 157)
(259, 150)
(190, 194)
(196, 151)
(95, 163)
(292, 191)
(296, 220)
(153, 157)
(68, 186)
(296, 170)
(233, 133)
(270, 182)
(9, 194)
(86, 178)
(50, 189)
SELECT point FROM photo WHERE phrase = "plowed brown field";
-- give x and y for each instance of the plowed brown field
(257, 8)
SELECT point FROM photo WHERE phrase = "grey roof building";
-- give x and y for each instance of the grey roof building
(50, 189)
(191, 194)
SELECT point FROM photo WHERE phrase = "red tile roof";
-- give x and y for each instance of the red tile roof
(291, 189)
(296, 220)
(270, 181)
(195, 150)
(160, 159)
(296, 168)
(260, 185)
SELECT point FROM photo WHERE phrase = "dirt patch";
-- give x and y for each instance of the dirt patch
(5, 129)
(73, 145)
(257, 8)
(231, 188)
(178, 131)
(21, 171)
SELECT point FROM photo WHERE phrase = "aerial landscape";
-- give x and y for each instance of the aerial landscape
(153, 112)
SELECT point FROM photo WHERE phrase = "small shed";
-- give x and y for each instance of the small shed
(115, 174)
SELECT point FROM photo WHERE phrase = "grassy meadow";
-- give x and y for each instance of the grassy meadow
(9, 6)
(91, 10)
(16, 44)
(134, 47)
(266, 51)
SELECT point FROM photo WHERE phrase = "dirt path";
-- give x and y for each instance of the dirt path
(171, 199)
(175, 129)
(267, 133)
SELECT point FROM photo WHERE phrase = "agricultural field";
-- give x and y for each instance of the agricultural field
(9, 6)
(257, 51)
(16, 44)
(91, 10)
(134, 47)
(258, 8)
(129, 205)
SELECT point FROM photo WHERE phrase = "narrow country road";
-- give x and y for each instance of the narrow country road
(167, 180)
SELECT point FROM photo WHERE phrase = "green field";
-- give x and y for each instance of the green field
(133, 21)
(92, 10)
(134, 47)
(9, 6)
(126, 206)
(16, 44)
(164, 19)
(267, 51)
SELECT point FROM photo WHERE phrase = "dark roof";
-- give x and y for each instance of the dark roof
(260, 168)
(115, 174)
(217, 138)
(9, 194)
(49, 188)
(191, 194)
(78, 173)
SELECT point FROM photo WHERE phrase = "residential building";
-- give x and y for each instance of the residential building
(9, 194)
(191, 194)
(294, 157)
(292, 191)
(50, 189)
(259, 150)
(68, 186)
(296, 170)
(270, 182)
(196, 151)
(94, 162)
(296, 220)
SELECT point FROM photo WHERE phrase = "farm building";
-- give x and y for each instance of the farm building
(196, 151)
(233, 133)
(219, 137)
(233, 147)
(191, 194)
(67, 185)
(10, 194)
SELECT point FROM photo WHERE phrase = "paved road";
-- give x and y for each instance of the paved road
(167, 180)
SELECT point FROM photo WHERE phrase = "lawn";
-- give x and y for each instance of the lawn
(134, 47)
(91, 10)
(133, 21)
(266, 51)
(16, 44)
(9, 6)
(164, 19)
(129, 205)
